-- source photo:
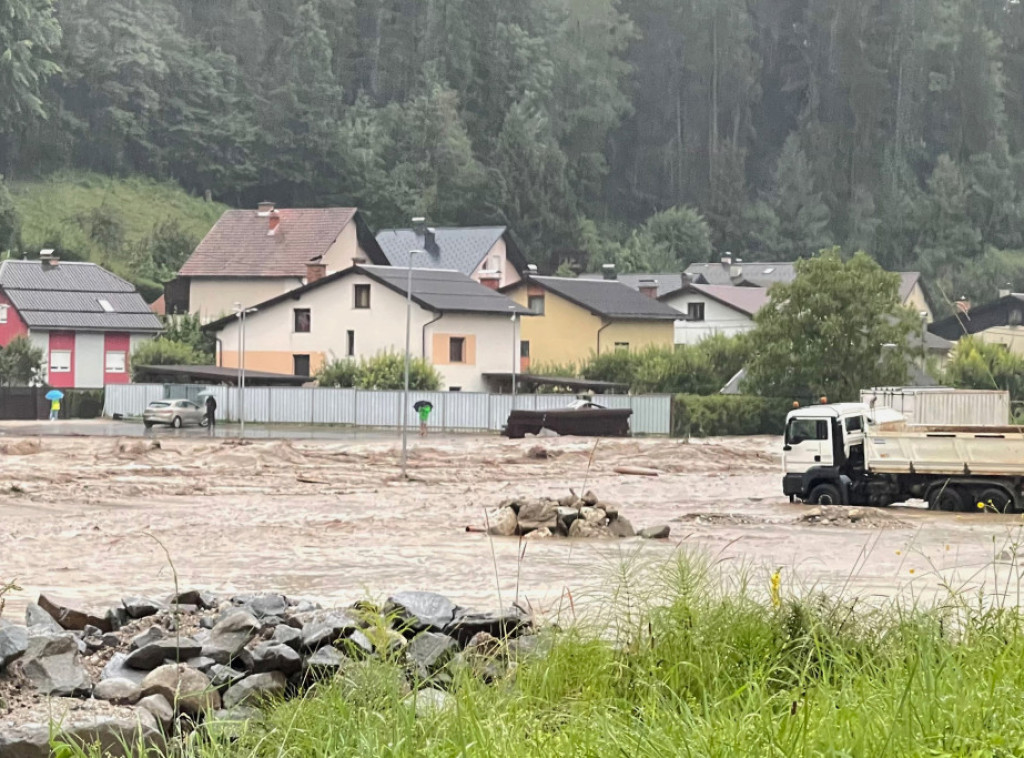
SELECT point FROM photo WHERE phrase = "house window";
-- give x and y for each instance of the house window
(362, 296)
(60, 361)
(455, 389)
(524, 348)
(303, 320)
(3, 314)
(622, 346)
(116, 362)
(695, 312)
(457, 350)
(351, 351)
(536, 305)
(301, 365)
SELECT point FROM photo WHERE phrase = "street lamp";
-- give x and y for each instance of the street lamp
(408, 338)
(241, 313)
(515, 354)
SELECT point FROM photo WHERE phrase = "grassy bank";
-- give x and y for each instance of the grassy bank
(698, 672)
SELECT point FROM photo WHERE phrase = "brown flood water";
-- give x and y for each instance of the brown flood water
(334, 522)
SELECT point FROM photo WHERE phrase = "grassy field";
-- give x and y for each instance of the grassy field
(691, 670)
(107, 220)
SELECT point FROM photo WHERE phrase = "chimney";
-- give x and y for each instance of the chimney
(649, 287)
(275, 221)
(1006, 291)
(963, 305)
(430, 240)
(265, 208)
(491, 280)
(48, 258)
(608, 271)
(727, 259)
(736, 270)
(315, 271)
(531, 269)
(419, 225)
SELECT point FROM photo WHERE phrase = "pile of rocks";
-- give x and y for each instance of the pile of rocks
(571, 516)
(150, 669)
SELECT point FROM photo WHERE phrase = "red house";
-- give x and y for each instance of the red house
(86, 320)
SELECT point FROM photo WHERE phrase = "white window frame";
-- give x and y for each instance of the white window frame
(123, 362)
(3, 313)
(63, 367)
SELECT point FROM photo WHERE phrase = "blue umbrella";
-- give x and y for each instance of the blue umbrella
(54, 395)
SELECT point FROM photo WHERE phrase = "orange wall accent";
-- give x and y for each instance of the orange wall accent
(440, 350)
(272, 361)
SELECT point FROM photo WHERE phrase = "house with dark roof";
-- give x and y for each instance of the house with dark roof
(1000, 322)
(710, 309)
(464, 329)
(486, 254)
(86, 320)
(574, 318)
(253, 255)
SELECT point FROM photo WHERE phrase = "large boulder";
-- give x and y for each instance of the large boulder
(328, 629)
(223, 677)
(13, 644)
(263, 606)
(118, 691)
(538, 514)
(272, 656)
(115, 736)
(38, 619)
(153, 634)
(141, 607)
(230, 636)
(175, 649)
(429, 652)
(503, 523)
(325, 663)
(160, 709)
(288, 635)
(188, 690)
(420, 611)
(502, 624)
(656, 532)
(256, 689)
(586, 529)
(71, 617)
(197, 598)
(53, 665)
(621, 527)
(117, 669)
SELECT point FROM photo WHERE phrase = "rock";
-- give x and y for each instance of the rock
(589, 498)
(160, 709)
(53, 665)
(223, 677)
(207, 622)
(325, 663)
(483, 645)
(503, 523)
(268, 605)
(429, 652)
(188, 690)
(468, 623)
(118, 691)
(611, 510)
(148, 637)
(141, 607)
(202, 663)
(327, 629)
(565, 517)
(116, 669)
(583, 529)
(429, 701)
(37, 617)
(198, 598)
(538, 514)
(70, 617)
(272, 656)
(110, 640)
(359, 645)
(570, 501)
(107, 735)
(156, 653)
(117, 618)
(287, 635)
(421, 611)
(540, 534)
(656, 532)
(13, 644)
(230, 635)
(621, 528)
(255, 689)
(595, 516)
(92, 644)
(528, 646)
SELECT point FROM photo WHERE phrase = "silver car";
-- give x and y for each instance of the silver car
(174, 413)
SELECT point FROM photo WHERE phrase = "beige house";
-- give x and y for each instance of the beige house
(486, 254)
(251, 256)
(464, 329)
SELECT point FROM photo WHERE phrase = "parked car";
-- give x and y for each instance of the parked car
(174, 413)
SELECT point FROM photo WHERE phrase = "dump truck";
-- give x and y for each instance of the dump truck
(853, 454)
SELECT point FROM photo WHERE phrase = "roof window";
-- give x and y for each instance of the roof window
(105, 305)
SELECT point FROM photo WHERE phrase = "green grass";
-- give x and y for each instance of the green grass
(61, 211)
(693, 670)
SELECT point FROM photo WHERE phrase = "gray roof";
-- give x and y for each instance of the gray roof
(666, 283)
(455, 248)
(608, 298)
(444, 291)
(68, 295)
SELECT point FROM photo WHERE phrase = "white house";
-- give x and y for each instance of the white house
(466, 330)
(714, 309)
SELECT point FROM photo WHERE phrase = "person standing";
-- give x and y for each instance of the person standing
(54, 409)
(424, 409)
(211, 412)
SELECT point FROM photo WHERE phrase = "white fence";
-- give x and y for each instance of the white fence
(462, 411)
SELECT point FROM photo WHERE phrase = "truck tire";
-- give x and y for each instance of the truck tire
(945, 498)
(998, 498)
(825, 494)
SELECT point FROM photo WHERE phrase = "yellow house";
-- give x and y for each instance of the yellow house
(573, 318)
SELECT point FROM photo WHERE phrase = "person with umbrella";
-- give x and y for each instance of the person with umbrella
(423, 408)
(211, 412)
(54, 396)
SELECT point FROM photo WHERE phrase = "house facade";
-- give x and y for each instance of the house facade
(86, 320)
(486, 254)
(461, 327)
(573, 318)
(249, 257)
(1000, 322)
(710, 310)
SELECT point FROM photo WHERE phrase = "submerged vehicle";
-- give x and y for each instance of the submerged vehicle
(581, 418)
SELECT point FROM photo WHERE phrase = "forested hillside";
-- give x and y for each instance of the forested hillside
(896, 126)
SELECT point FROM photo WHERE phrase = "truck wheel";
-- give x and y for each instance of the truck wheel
(997, 498)
(946, 499)
(825, 494)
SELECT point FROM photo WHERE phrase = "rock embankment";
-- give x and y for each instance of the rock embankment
(148, 670)
(585, 517)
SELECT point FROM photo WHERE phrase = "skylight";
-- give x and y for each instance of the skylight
(105, 305)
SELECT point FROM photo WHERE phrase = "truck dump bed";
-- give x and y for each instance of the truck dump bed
(945, 450)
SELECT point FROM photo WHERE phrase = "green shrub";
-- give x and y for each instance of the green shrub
(728, 415)
(385, 371)
(164, 352)
(83, 403)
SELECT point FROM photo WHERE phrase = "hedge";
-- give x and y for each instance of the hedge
(82, 404)
(728, 415)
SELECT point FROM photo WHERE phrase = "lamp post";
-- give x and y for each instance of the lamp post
(408, 338)
(241, 313)
(515, 354)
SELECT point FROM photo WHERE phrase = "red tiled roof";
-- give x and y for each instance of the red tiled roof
(239, 243)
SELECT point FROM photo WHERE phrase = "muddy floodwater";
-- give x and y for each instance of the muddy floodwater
(91, 518)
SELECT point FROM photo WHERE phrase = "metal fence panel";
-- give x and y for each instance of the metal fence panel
(130, 399)
(334, 406)
(652, 414)
(466, 410)
(291, 405)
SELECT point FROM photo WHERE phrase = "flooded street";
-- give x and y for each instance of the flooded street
(90, 517)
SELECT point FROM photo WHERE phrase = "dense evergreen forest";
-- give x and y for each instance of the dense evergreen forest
(598, 129)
